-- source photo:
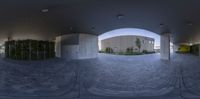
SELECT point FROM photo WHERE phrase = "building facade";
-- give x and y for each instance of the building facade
(122, 43)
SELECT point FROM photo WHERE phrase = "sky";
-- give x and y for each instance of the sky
(130, 31)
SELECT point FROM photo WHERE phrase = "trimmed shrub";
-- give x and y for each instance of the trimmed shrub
(194, 49)
(29, 49)
(183, 49)
(129, 50)
(148, 52)
(133, 53)
(101, 51)
(109, 50)
(6, 49)
(145, 51)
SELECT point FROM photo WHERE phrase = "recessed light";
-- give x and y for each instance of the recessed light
(189, 23)
(93, 28)
(161, 24)
(45, 10)
(120, 16)
(71, 28)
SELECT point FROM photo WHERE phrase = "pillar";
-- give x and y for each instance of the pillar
(175, 48)
(88, 46)
(165, 46)
(77, 46)
(58, 46)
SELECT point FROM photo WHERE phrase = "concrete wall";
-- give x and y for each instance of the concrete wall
(121, 43)
(69, 52)
(78, 46)
(88, 46)
(165, 46)
(64, 42)
(66, 46)
(70, 39)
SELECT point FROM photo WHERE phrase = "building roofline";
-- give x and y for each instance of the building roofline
(129, 36)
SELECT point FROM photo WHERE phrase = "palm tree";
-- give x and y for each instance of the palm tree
(138, 43)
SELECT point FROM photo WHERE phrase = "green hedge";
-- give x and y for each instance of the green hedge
(29, 49)
(194, 49)
(109, 50)
(129, 50)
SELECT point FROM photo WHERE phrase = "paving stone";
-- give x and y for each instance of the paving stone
(106, 77)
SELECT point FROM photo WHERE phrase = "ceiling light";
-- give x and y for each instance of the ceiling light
(120, 16)
(45, 10)
(189, 23)
(161, 24)
(71, 28)
(93, 28)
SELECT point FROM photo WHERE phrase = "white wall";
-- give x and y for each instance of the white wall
(88, 46)
(70, 52)
(78, 46)
(165, 46)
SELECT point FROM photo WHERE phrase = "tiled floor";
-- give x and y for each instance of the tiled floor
(106, 77)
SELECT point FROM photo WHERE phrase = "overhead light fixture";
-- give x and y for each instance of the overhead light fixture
(93, 28)
(161, 24)
(71, 28)
(120, 16)
(45, 10)
(189, 23)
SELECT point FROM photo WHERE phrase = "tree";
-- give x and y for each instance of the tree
(138, 43)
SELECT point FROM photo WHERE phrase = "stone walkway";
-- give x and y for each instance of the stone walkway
(146, 75)
(131, 76)
(106, 77)
(36, 78)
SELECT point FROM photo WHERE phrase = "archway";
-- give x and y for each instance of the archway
(148, 40)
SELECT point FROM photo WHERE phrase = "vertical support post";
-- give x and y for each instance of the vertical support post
(30, 50)
(165, 46)
(58, 46)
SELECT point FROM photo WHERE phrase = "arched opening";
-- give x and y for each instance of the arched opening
(126, 69)
(126, 40)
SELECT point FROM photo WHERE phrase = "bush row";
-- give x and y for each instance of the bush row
(129, 51)
(194, 49)
(29, 49)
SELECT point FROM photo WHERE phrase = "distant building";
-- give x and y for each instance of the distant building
(157, 49)
(122, 43)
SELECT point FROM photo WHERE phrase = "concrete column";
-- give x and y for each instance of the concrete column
(165, 46)
(58, 46)
(77, 46)
(88, 46)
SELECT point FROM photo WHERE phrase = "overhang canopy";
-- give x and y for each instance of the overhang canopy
(49, 18)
